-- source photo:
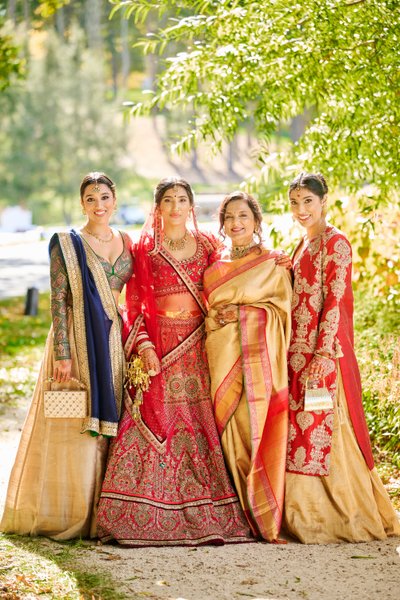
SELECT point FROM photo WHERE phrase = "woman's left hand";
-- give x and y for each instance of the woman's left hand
(284, 260)
(227, 313)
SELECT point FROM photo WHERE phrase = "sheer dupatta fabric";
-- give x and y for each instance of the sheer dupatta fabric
(141, 322)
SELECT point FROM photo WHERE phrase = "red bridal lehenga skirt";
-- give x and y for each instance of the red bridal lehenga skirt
(174, 492)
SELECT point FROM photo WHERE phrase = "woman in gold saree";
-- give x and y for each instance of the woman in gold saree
(60, 463)
(248, 329)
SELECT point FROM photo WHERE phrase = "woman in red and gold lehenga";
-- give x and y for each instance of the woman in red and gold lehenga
(166, 482)
(333, 492)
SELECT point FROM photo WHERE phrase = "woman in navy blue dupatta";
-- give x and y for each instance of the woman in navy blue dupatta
(58, 471)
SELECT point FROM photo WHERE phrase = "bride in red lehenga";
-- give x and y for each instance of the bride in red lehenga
(166, 481)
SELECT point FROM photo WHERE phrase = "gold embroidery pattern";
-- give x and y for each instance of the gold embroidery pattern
(169, 493)
(75, 283)
(131, 339)
(304, 420)
(317, 463)
(319, 291)
(110, 308)
(297, 362)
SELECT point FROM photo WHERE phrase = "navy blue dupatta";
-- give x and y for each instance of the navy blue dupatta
(98, 326)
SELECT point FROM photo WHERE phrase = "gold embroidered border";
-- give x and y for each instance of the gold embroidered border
(175, 264)
(130, 341)
(115, 345)
(179, 541)
(111, 310)
(75, 283)
(183, 348)
(166, 506)
(101, 427)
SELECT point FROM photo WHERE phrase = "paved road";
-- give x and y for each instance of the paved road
(23, 265)
(24, 261)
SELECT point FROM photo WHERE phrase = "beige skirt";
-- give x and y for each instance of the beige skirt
(56, 478)
(350, 504)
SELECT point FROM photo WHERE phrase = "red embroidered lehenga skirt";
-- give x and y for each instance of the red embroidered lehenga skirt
(175, 491)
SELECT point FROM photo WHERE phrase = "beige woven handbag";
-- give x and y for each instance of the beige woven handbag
(65, 404)
(317, 399)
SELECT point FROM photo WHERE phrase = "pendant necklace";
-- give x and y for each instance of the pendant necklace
(240, 251)
(98, 238)
(176, 244)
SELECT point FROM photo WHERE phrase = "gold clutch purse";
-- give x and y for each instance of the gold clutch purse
(317, 399)
(65, 404)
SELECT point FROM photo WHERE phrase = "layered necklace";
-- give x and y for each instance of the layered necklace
(240, 251)
(176, 244)
(97, 237)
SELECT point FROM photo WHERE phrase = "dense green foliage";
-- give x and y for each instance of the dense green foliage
(56, 124)
(11, 65)
(336, 63)
(377, 331)
(64, 118)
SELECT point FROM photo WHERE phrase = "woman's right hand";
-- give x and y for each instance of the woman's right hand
(62, 370)
(227, 313)
(151, 362)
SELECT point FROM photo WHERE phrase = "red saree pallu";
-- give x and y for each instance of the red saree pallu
(249, 381)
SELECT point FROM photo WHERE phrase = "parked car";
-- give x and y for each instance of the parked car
(130, 214)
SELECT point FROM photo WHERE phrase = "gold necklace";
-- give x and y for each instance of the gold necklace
(240, 251)
(97, 237)
(176, 244)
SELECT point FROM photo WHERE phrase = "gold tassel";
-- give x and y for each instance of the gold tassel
(137, 377)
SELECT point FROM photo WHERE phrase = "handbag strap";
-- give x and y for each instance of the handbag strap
(52, 380)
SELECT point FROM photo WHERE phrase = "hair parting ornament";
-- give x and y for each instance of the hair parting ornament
(298, 186)
(96, 176)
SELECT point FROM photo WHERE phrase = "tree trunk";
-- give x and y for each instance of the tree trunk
(11, 10)
(125, 58)
(60, 22)
(93, 23)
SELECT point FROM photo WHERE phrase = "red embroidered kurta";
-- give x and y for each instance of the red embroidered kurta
(322, 313)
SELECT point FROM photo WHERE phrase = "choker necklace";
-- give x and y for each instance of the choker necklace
(240, 251)
(176, 244)
(98, 238)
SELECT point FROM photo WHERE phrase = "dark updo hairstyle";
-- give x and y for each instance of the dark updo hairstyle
(315, 182)
(251, 203)
(96, 177)
(169, 182)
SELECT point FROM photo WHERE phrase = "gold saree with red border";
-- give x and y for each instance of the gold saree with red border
(248, 367)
